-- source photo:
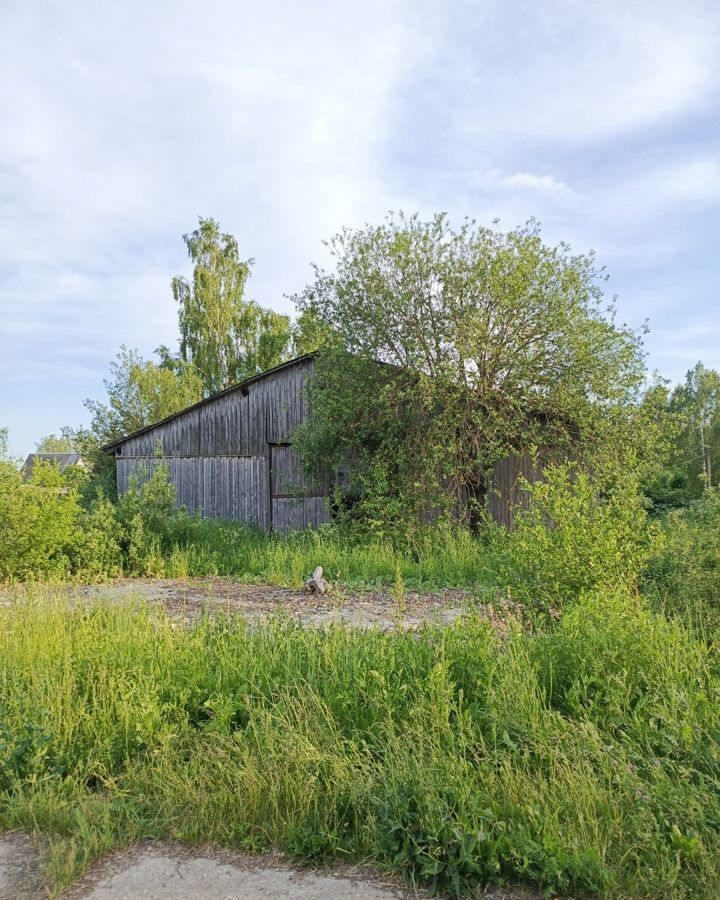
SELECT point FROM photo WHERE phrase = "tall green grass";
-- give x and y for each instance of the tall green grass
(582, 760)
(437, 558)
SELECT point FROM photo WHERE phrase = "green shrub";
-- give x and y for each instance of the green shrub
(37, 523)
(573, 540)
(47, 534)
(96, 551)
(683, 577)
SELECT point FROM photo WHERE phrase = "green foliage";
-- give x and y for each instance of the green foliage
(582, 761)
(224, 336)
(691, 418)
(145, 513)
(437, 558)
(447, 349)
(574, 540)
(684, 578)
(45, 532)
(140, 392)
(36, 523)
(51, 443)
(309, 334)
(697, 404)
(51, 530)
(5, 458)
(64, 529)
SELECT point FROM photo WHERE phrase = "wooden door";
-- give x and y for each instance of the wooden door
(294, 503)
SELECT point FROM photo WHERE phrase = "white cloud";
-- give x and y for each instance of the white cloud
(546, 184)
(493, 180)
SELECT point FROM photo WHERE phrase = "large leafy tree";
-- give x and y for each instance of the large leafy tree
(488, 342)
(223, 335)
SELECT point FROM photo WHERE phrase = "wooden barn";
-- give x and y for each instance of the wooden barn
(230, 456)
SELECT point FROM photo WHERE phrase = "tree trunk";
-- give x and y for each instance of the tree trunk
(477, 500)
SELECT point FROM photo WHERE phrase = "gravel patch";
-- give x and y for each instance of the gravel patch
(20, 873)
(187, 599)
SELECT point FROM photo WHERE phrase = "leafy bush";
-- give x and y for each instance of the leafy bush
(49, 530)
(574, 540)
(684, 576)
(46, 532)
(37, 523)
(146, 513)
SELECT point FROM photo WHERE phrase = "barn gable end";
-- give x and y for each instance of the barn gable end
(229, 455)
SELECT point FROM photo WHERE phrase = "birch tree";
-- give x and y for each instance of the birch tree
(223, 335)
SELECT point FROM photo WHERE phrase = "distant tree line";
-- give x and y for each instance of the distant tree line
(692, 464)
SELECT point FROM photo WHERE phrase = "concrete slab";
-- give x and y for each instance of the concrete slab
(20, 873)
(167, 873)
(173, 871)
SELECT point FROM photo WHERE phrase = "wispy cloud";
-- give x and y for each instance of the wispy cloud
(549, 185)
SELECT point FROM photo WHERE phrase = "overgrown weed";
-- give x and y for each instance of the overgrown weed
(581, 760)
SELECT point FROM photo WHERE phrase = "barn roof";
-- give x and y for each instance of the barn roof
(109, 448)
(61, 460)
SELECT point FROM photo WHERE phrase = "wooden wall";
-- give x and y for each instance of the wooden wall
(505, 489)
(241, 422)
(230, 458)
(221, 487)
(220, 455)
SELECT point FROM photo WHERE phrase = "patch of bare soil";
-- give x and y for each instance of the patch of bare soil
(186, 599)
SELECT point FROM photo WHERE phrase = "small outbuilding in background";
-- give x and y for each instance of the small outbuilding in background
(61, 460)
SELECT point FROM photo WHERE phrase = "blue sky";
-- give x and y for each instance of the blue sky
(120, 123)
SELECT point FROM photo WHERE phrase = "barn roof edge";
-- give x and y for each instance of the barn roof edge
(108, 448)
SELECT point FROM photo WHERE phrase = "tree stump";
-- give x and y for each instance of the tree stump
(316, 584)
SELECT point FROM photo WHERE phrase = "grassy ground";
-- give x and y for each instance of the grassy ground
(583, 760)
(438, 558)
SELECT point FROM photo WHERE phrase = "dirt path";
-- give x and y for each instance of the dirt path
(185, 599)
(153, 871)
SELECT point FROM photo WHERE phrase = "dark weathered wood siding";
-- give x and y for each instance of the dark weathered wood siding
(230, 457)
(240, 422)
(219, 454)
(221, 487)
(505, 492)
